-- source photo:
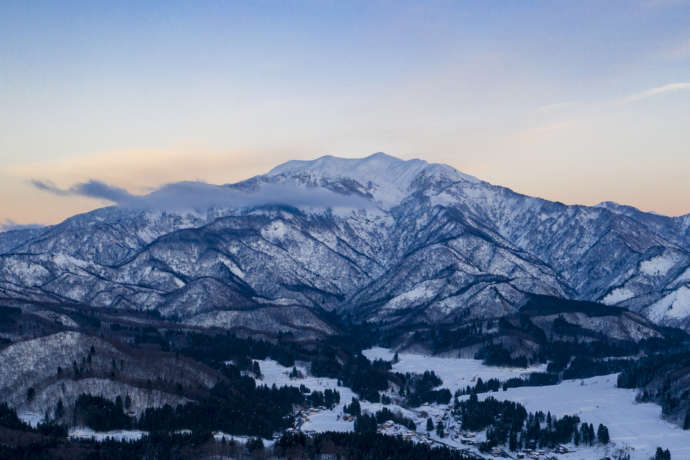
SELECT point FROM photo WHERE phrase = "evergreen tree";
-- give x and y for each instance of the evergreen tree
(256, 369)
(59, 409)
(603, 434)
(429, 424)
(439, 429)
(662, 454)
(512, 441)
(354, 408)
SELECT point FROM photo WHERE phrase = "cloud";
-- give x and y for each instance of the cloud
(49, 187)
(9, 224)
(671, 87)
(201, 195)
(91, 189)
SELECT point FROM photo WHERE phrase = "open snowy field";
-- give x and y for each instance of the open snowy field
(315, 420)
(637, 427)
(456, 373)
(598, 400)
(595, 400)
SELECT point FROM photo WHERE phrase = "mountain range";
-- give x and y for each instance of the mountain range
(375, 239)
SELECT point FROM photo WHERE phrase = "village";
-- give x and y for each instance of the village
(454, 438)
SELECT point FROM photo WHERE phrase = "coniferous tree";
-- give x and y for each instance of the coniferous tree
(439, 429)
(662, 454)
(354, 408)
(429, 424)
(512, 441)
(603, 434)
(59, 409)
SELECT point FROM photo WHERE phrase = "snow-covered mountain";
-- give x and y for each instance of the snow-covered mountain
(377, 238)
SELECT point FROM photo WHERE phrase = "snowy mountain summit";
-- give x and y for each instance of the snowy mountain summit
(377, 238)
(385, 179)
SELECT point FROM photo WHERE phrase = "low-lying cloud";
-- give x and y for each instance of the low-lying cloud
(201, 195)
(8, 225)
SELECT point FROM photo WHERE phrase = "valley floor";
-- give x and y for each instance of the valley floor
(635, 428)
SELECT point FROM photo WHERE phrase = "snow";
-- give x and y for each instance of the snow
(598, 400)
(618, 295)
(276, 231)
(659, 265)
(320, 420)
(387, 178)
(675, 305)
(637, 426)
(456, 373)
(117, 435)
(31, 418)
(421, 292)
(220, 436)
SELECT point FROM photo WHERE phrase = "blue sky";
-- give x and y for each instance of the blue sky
(574, 101)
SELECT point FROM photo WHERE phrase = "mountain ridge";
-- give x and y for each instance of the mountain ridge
(408, 241)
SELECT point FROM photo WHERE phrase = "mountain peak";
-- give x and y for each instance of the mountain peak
(385, 177)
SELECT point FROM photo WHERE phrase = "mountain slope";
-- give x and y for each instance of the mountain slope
(376, 239)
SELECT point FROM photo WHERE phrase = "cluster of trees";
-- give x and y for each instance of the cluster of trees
(508, 422)
(328, 398)
(354, 408)
(535, 379)
(215, 350)
(10, 420)
(99, 413)
(235, 405)
(361, 445)
(583, 367)
(662, 454)
(659, 377)
(496, 355)
(419, 389)
(365, 378)
(367, 423)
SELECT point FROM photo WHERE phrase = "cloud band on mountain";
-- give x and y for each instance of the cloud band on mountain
(200, 195)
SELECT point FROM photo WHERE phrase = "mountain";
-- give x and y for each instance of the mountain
(372, 239)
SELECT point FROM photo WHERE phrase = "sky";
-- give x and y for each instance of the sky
(579, 102)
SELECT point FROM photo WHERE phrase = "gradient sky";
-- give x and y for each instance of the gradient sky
(579, 102)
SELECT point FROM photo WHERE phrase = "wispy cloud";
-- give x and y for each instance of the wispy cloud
(201, 195)
(92, 189)
(669, 88)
